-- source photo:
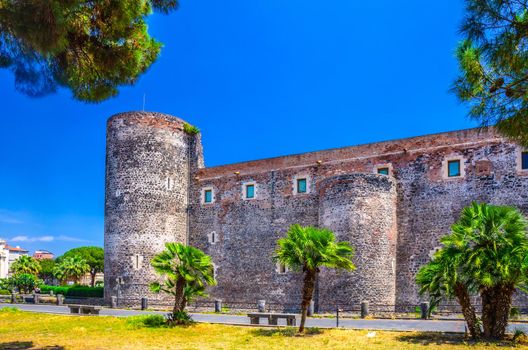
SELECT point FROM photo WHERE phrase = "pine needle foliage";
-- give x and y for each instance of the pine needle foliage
(89, 47)
(493, 61)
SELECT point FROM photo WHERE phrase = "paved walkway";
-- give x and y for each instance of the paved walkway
(397, 325)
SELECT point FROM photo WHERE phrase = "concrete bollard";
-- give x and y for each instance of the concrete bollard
(218, 305)
(364, 309)
(60, 299)
(424, 308)
(261, 305)
(144, 303)
(311, 308)
(114, 302)
(35, 298)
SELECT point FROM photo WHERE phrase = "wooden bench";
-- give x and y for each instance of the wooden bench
(84, 309)
(273, 318)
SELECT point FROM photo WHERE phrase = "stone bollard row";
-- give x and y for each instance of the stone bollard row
(364, 309)
(218, 305)
(144, 303)
(261, 305)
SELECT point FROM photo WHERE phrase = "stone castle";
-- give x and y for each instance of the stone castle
(392, 200)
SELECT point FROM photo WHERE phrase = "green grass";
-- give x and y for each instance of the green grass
(25, 330)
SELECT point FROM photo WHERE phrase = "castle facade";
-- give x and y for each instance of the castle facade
(391, 200)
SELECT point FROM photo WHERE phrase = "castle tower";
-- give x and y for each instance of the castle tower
(149, 163)
(360, 209)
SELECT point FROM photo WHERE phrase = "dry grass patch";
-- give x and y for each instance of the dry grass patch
(24, 330)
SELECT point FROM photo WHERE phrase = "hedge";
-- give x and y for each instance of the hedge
(74, 291)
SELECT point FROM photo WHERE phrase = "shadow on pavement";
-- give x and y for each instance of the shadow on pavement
(26, 345)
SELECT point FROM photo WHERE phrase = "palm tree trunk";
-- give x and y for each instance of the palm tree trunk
(308, 288)
(92, 274)
(178, 295)
(468, 310)
(503, 297)
(488, 311)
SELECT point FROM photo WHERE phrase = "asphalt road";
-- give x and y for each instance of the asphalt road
(396, 325)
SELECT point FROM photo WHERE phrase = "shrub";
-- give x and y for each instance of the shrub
(8, 309)
(190, 129)
(180, 318)
(4, 292)
(74, 291)
(151, 321)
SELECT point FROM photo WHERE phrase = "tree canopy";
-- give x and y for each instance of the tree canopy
(90, 47)
(93, 256)
(493, 60)
(71, 268)
(26, 265)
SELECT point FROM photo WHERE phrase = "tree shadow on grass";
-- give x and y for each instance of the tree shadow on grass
(27, 345)
(285, 332)
(449, 339)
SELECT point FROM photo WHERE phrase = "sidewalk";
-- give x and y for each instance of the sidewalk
(392, 325)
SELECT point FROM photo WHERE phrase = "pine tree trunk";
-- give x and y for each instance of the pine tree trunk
(308, 288)
(468, 310)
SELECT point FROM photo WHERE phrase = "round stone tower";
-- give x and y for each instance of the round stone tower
(149, 162)
(360, 209)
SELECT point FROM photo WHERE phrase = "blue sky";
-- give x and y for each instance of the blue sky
(259, 78)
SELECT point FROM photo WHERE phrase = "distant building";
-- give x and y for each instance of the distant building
(43, 255)
(8, 255)
(15, 253)
(4, 259)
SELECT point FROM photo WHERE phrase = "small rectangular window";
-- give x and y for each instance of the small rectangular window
(383, 171)
(524, 160)
(208, 196)
(301, 185)
(250, 191)
(453, 168)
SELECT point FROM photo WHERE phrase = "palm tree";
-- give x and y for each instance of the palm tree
(307, 249)
(442, 278)
(186, 271)
(26, 264)
(495, 240)
(71, 268)
(486, 253)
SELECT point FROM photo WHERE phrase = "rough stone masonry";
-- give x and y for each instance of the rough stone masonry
(392, 200)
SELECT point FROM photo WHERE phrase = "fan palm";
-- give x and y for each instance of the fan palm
(26, 264)
(307, 249)
(186, 271)
(495, 241)
(71, 268)
(486, 251)
(442, 278)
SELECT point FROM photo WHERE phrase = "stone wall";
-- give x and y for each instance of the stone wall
(394, 221)
(361, 209)
(148, 167)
